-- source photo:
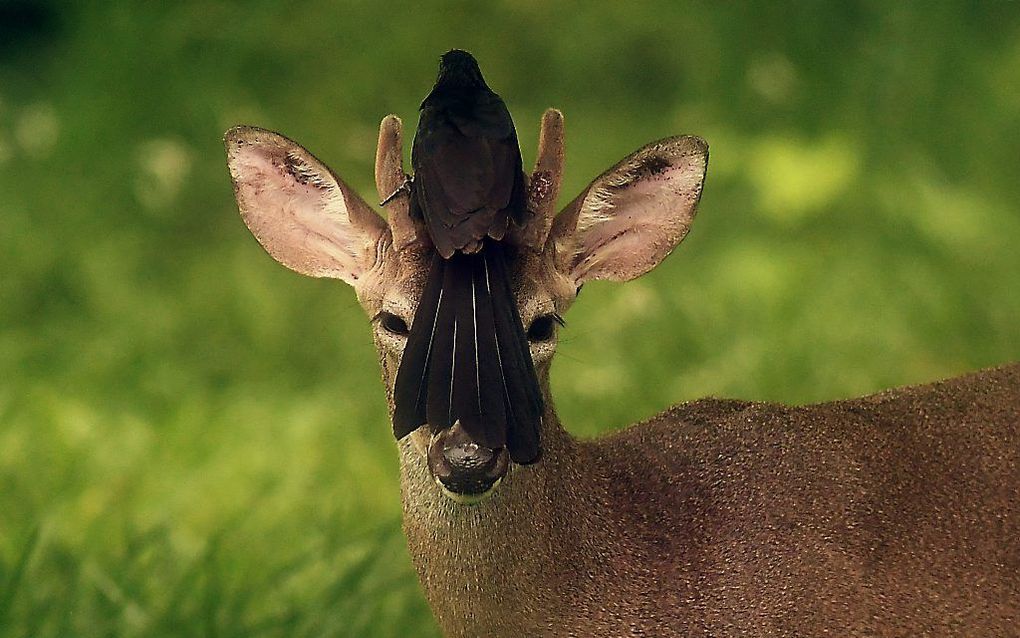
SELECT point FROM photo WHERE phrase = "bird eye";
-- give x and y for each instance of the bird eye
(393, 324)
(543, 327)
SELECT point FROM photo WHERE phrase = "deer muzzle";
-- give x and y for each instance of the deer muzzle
(466, 471)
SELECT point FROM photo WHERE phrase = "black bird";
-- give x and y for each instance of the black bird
(467, 357)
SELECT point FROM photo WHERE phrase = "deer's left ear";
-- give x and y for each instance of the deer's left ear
(634, 214)
(301, 213)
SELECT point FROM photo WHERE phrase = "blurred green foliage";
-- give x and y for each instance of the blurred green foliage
(193, 441)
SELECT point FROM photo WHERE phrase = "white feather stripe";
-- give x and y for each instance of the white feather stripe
(428, 351)
(453, 371)
(474, 319)
(499, 354)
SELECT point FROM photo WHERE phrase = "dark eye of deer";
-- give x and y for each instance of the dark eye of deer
(393, 324)
(542, 328)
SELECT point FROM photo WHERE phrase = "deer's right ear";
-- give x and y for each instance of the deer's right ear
(633, 215)
(301, 213)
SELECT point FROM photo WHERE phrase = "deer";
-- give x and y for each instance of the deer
(894, 514)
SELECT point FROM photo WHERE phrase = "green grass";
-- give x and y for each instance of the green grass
(193, 441)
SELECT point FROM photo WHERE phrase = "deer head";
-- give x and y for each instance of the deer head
(621, 226)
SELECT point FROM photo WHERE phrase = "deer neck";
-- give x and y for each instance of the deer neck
(488, 567)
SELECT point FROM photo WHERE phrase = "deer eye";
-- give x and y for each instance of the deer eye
(543, 327)
(392, 323)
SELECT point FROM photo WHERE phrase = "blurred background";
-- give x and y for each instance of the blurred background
(193, 440)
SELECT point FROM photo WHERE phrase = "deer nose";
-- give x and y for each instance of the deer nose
(465, 470)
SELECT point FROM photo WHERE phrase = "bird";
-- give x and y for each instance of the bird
(467, 357)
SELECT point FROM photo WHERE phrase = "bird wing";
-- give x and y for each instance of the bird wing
(467, 174)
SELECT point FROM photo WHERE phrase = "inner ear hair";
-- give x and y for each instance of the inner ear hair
(301, 213)
(633, 215)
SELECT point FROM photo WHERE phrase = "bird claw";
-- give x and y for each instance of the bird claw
(405, 187)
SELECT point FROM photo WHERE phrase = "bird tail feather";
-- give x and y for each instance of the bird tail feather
(467, 358)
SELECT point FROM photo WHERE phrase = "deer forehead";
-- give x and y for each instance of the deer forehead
(396, 286)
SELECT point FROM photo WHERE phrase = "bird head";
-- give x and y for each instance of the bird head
(459, 69)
